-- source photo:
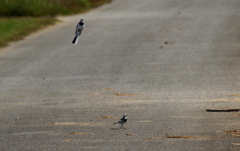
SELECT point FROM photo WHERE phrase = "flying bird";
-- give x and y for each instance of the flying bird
(122, 121)
(79, 28)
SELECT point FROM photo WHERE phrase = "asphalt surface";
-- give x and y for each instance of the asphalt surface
(163, 62)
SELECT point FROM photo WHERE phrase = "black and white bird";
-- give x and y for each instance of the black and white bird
(79, 28)
(122, 121)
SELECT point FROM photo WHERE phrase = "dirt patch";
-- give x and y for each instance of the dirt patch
(238, 148)
(80, 133)
(95, 93)
(66, 123)
(124, 106)
(89, 147)
(181, 136)
(106, 117)
(68, 140)
(188, 137)
(225, 100)
(152, 138)
(236, 95)
(235, 133)
(107, 89)
(75, 123)
(123, 94)
(21, 96)
(90, 124)
(233, 115)
(230, 116)
(236, 144)
(146, 121)
(136, 101)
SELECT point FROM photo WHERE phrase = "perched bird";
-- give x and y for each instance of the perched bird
(122, 121)
(79, 28)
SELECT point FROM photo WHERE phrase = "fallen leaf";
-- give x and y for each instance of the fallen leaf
(129, 134)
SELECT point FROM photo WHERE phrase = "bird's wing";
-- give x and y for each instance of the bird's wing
(76, 29)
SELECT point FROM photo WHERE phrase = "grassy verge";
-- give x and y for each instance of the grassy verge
(42, 7)
(20, 18)
(12, 29)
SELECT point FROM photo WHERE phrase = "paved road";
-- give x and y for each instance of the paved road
(163, 62)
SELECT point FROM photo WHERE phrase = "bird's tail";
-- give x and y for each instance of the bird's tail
(75, 40)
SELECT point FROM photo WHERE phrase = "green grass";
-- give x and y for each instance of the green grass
(12, 29)
(42, 7)
(46, 7)
(18, 18)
